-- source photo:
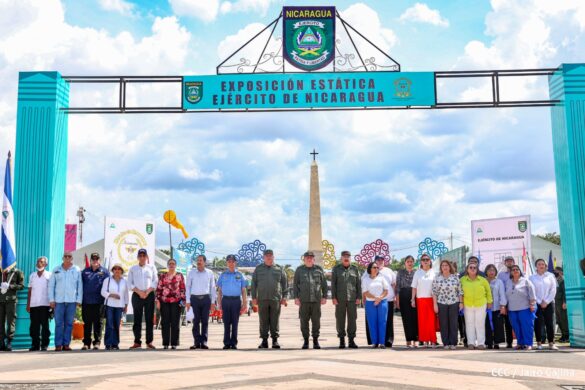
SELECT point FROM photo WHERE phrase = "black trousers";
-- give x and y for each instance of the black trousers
(449, 322)
(544, 326)
(461, 326)
(170, 318)
(90, 313)
(231, 306)
(508, 330)
(409, 315)
(562, 320)
(143, 308)
(390, 324)
(496, 335)
(201, 305)
(39, 331)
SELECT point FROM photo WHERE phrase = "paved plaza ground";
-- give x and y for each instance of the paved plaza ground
(291, 367)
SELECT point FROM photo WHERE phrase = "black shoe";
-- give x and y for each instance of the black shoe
(116, 348)
(341, 342)
(2, 347)
(352, 344)
(226, 347)
(108, 348)
(263, 344)
(305, 344)
(316, 343)
(465, 345)
(173, 347)
(33, 349)
(234, 347)
(204, 346)
(8, 347)
(496, 346)
(375, 346)
(275, 344)
(489, 346)
(44, 349)
(509, 346)
(165, 347)
(389, 345)
(196, 346)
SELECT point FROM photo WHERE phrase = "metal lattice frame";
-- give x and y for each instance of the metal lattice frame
(494, 100)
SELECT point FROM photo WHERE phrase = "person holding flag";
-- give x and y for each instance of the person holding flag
(12, 278)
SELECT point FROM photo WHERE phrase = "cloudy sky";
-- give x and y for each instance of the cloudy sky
(400, 176)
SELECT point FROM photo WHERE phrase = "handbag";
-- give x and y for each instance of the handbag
(103, 307)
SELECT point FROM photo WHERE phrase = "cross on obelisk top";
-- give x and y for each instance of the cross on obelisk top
(314, 154)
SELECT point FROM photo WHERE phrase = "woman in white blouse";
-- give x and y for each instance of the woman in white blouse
(115, 291)
(545, 288)
(422, 299)
(375, 288)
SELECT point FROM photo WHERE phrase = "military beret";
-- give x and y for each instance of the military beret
(268, 252)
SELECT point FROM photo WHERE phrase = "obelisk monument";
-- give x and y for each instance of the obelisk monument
(315, 235)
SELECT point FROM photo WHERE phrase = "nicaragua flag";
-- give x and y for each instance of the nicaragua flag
(8, 244)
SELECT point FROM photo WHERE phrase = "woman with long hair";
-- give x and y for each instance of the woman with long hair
(422, 300)
(403, 299)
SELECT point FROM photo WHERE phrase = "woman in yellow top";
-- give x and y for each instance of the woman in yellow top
(477, 297)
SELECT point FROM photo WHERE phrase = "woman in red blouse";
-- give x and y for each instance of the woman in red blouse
(170, 295)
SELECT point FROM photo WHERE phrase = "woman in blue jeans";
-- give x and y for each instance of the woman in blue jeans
(521, 307)
(375, 288)
(115, 291)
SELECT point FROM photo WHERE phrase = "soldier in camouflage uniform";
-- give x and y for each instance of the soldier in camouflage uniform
(269, 283)
(310, 291)
(12, 281)
(346, 292)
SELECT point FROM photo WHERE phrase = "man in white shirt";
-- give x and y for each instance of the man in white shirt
(142, 281)
(38, 306)
(390, 277)
(201, 296)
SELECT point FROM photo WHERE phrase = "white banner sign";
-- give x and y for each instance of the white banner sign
(494, 239)
(123, 239)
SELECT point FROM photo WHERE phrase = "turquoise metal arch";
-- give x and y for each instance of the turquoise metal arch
(41, 166)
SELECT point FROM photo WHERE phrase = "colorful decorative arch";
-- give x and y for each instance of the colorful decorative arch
(432, 247)
(374, 248)
(187, 251)
(250, 254)
(329, 259)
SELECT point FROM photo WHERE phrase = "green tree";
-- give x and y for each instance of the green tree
(551, 237)
(166, 252)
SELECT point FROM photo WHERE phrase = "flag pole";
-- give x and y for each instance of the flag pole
(170, 241)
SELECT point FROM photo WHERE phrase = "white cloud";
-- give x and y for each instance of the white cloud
(258, 6)
(205, 10)
(421, 13)
(367, 21)
(233, 42)
(120, 6)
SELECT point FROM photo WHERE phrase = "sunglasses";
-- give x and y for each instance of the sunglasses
(425, 259)
(117, 269)
(472, 267)
(67, 256)
(515, 270)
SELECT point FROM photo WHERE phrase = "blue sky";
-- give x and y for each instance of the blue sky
(399, 176)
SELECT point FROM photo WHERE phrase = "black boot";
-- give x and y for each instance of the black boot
(316, 343)
(275, 344)
(352, 343)
(305, 344)
(263, 344)
(341, 342)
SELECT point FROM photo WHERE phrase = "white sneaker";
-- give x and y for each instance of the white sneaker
(553, 346)
(539, 347)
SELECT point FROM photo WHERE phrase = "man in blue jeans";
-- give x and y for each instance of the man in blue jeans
(65, 293)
